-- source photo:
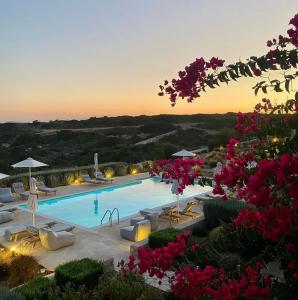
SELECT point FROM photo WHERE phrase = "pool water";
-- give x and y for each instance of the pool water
(87, 209)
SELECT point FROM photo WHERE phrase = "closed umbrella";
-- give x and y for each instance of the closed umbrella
(184, 153)
(29, 163)
(95, 164)
(2, 176)
(32, 200)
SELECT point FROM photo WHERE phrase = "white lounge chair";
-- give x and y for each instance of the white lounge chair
(138, 232)
(151, 217)
(52, 240)
(99, 176)
(88, 179)
(19, 189)
(43, 188)
(5, 216)
(6, 195)
(12, 233)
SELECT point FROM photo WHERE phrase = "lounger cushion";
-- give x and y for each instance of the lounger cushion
(62, 227)
(139, 231)
(5, 216)
(13, 230)
(6, 196)
(55, 240)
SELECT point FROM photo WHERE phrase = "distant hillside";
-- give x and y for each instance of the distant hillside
(64, 143)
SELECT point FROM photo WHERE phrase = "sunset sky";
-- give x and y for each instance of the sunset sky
(74, 59)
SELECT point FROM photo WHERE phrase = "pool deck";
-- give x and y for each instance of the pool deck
(102, 243)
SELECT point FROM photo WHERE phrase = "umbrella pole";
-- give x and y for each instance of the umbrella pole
(29, 176)
(178, 205)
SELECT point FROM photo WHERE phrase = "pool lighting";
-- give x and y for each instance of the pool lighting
(108, 175)
(76, 181)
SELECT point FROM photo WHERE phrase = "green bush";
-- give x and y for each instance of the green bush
(79, 272)
(22, 269)
(201, 230)
(4, 271)
(162, 237)
(129, 287)
(6, 294)
(216, 210)
(216, 233)
(120, 170)
(37, 288)
(133, 169)
(70, 292)
(109, 172)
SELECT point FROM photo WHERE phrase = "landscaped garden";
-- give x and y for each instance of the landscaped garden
(246, 247)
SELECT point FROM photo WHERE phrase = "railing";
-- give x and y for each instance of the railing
(110, 217)
(115, 210)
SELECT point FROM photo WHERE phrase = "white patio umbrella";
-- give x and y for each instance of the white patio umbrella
(95, 164)
(184, 153)
(2, 176)
(29, 163)
(32, 199)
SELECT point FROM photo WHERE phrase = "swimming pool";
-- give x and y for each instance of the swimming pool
(87, 209)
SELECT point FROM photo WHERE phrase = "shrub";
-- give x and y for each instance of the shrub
(120, 170)
(129, 287)
(200, 230)
(79, 272)
(230, 262)
(133, 169)
(163, 237)
(4, 271)
(6, 294)
(69, 292)
(147, 165)
(22, 269)
(109, 172)
(215, 211)
(37, 288)
(216, 233)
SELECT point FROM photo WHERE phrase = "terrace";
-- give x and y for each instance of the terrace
(102, 243)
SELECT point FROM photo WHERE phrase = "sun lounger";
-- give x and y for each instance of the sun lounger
(151, 217)
(14, 232)
(138, 232)
(5, 216)
(187, 211)
(99, 176)
(43, 188)
(52, 240)
(19, 189)
(9, 209)
(169, 212)
(6, 195)
(88, 179)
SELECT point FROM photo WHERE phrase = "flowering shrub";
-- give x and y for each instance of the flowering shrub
(261, 169)
(184, 171)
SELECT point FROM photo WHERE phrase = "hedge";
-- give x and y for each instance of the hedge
(6, 294)
(216, 210)
(37, 288)
(162, 237)
(85, 271)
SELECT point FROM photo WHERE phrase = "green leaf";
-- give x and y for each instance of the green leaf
(296, 96)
